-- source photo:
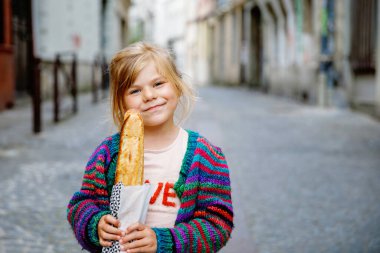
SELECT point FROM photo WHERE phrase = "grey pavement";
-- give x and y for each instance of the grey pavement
(304, 179)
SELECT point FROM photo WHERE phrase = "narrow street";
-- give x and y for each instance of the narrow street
(304, 179)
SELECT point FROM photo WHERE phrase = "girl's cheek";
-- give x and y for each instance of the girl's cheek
(130, 103)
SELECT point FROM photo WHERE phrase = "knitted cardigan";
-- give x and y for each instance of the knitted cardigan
(205, 218)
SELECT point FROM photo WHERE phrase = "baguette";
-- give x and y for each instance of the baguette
(130, 163)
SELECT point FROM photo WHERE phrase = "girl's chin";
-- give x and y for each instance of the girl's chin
(152, 121)
(158, 119)
(156, 123)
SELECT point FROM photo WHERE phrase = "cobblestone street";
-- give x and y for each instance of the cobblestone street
(304, 179)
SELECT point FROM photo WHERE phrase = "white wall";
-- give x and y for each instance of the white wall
(170, 20)
(70, 25)
(164, 22)
(142, 12)
(112, 29)
(170, 25)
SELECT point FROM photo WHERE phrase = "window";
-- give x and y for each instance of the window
(2, 28)
(363, 36)
(308, 16)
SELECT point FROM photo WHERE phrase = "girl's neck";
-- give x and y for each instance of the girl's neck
(160, 137)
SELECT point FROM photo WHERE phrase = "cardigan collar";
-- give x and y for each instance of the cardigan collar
(186, 162)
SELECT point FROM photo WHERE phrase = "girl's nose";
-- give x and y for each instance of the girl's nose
(149, 94)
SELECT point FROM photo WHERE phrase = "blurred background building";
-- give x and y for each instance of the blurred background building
(88, 30)
(323, 52)
(7, 83)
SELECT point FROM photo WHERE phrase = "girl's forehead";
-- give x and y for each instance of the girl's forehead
(153, 68)
(148, 73)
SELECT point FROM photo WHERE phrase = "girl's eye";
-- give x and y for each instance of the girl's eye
(158, 84)
(131, 92)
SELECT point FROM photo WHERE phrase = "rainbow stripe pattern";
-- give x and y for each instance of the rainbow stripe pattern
(205, 219)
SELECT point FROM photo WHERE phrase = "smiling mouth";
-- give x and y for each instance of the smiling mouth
(152, 108)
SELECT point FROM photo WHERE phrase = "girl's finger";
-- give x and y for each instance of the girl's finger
(110, 237)
(135, 235)
(105, 243)
(112, 220)
(112, 230)
(136, 244)
(142, 250)
(135, 226)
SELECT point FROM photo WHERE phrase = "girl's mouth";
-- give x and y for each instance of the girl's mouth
(153, 108)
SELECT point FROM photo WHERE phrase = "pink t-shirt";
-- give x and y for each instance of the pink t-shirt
(161, 169)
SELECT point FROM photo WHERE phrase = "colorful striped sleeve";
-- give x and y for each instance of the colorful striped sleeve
(88, 205)
(210, 211)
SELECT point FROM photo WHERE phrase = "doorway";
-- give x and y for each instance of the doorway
(256, 52)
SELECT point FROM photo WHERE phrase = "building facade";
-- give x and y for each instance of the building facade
(91, 29)
(163, 22)
(41, 29)
(321, 52)
(6, 56)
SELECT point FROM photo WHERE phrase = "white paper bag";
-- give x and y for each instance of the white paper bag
(129, 204)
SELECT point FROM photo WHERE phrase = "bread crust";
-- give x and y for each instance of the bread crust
(130, 162)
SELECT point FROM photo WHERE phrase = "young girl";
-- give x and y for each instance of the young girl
(191, 208)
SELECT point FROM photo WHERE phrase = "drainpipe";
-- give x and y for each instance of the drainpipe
(326, 77)
(324, 57)
(377, 102)
(34, 72)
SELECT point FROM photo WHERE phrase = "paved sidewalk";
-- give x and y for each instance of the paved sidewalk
(40, 172)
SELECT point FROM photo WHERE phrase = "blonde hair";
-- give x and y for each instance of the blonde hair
(127, 64)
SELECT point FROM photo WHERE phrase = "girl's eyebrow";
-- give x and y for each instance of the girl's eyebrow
(133, 85)
(155, 79)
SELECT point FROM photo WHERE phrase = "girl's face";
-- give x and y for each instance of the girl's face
(153, 96)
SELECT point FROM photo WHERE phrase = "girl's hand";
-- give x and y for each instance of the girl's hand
(108, 230)
(139, 238)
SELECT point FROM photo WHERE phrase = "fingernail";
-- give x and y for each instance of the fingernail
(122, 247)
